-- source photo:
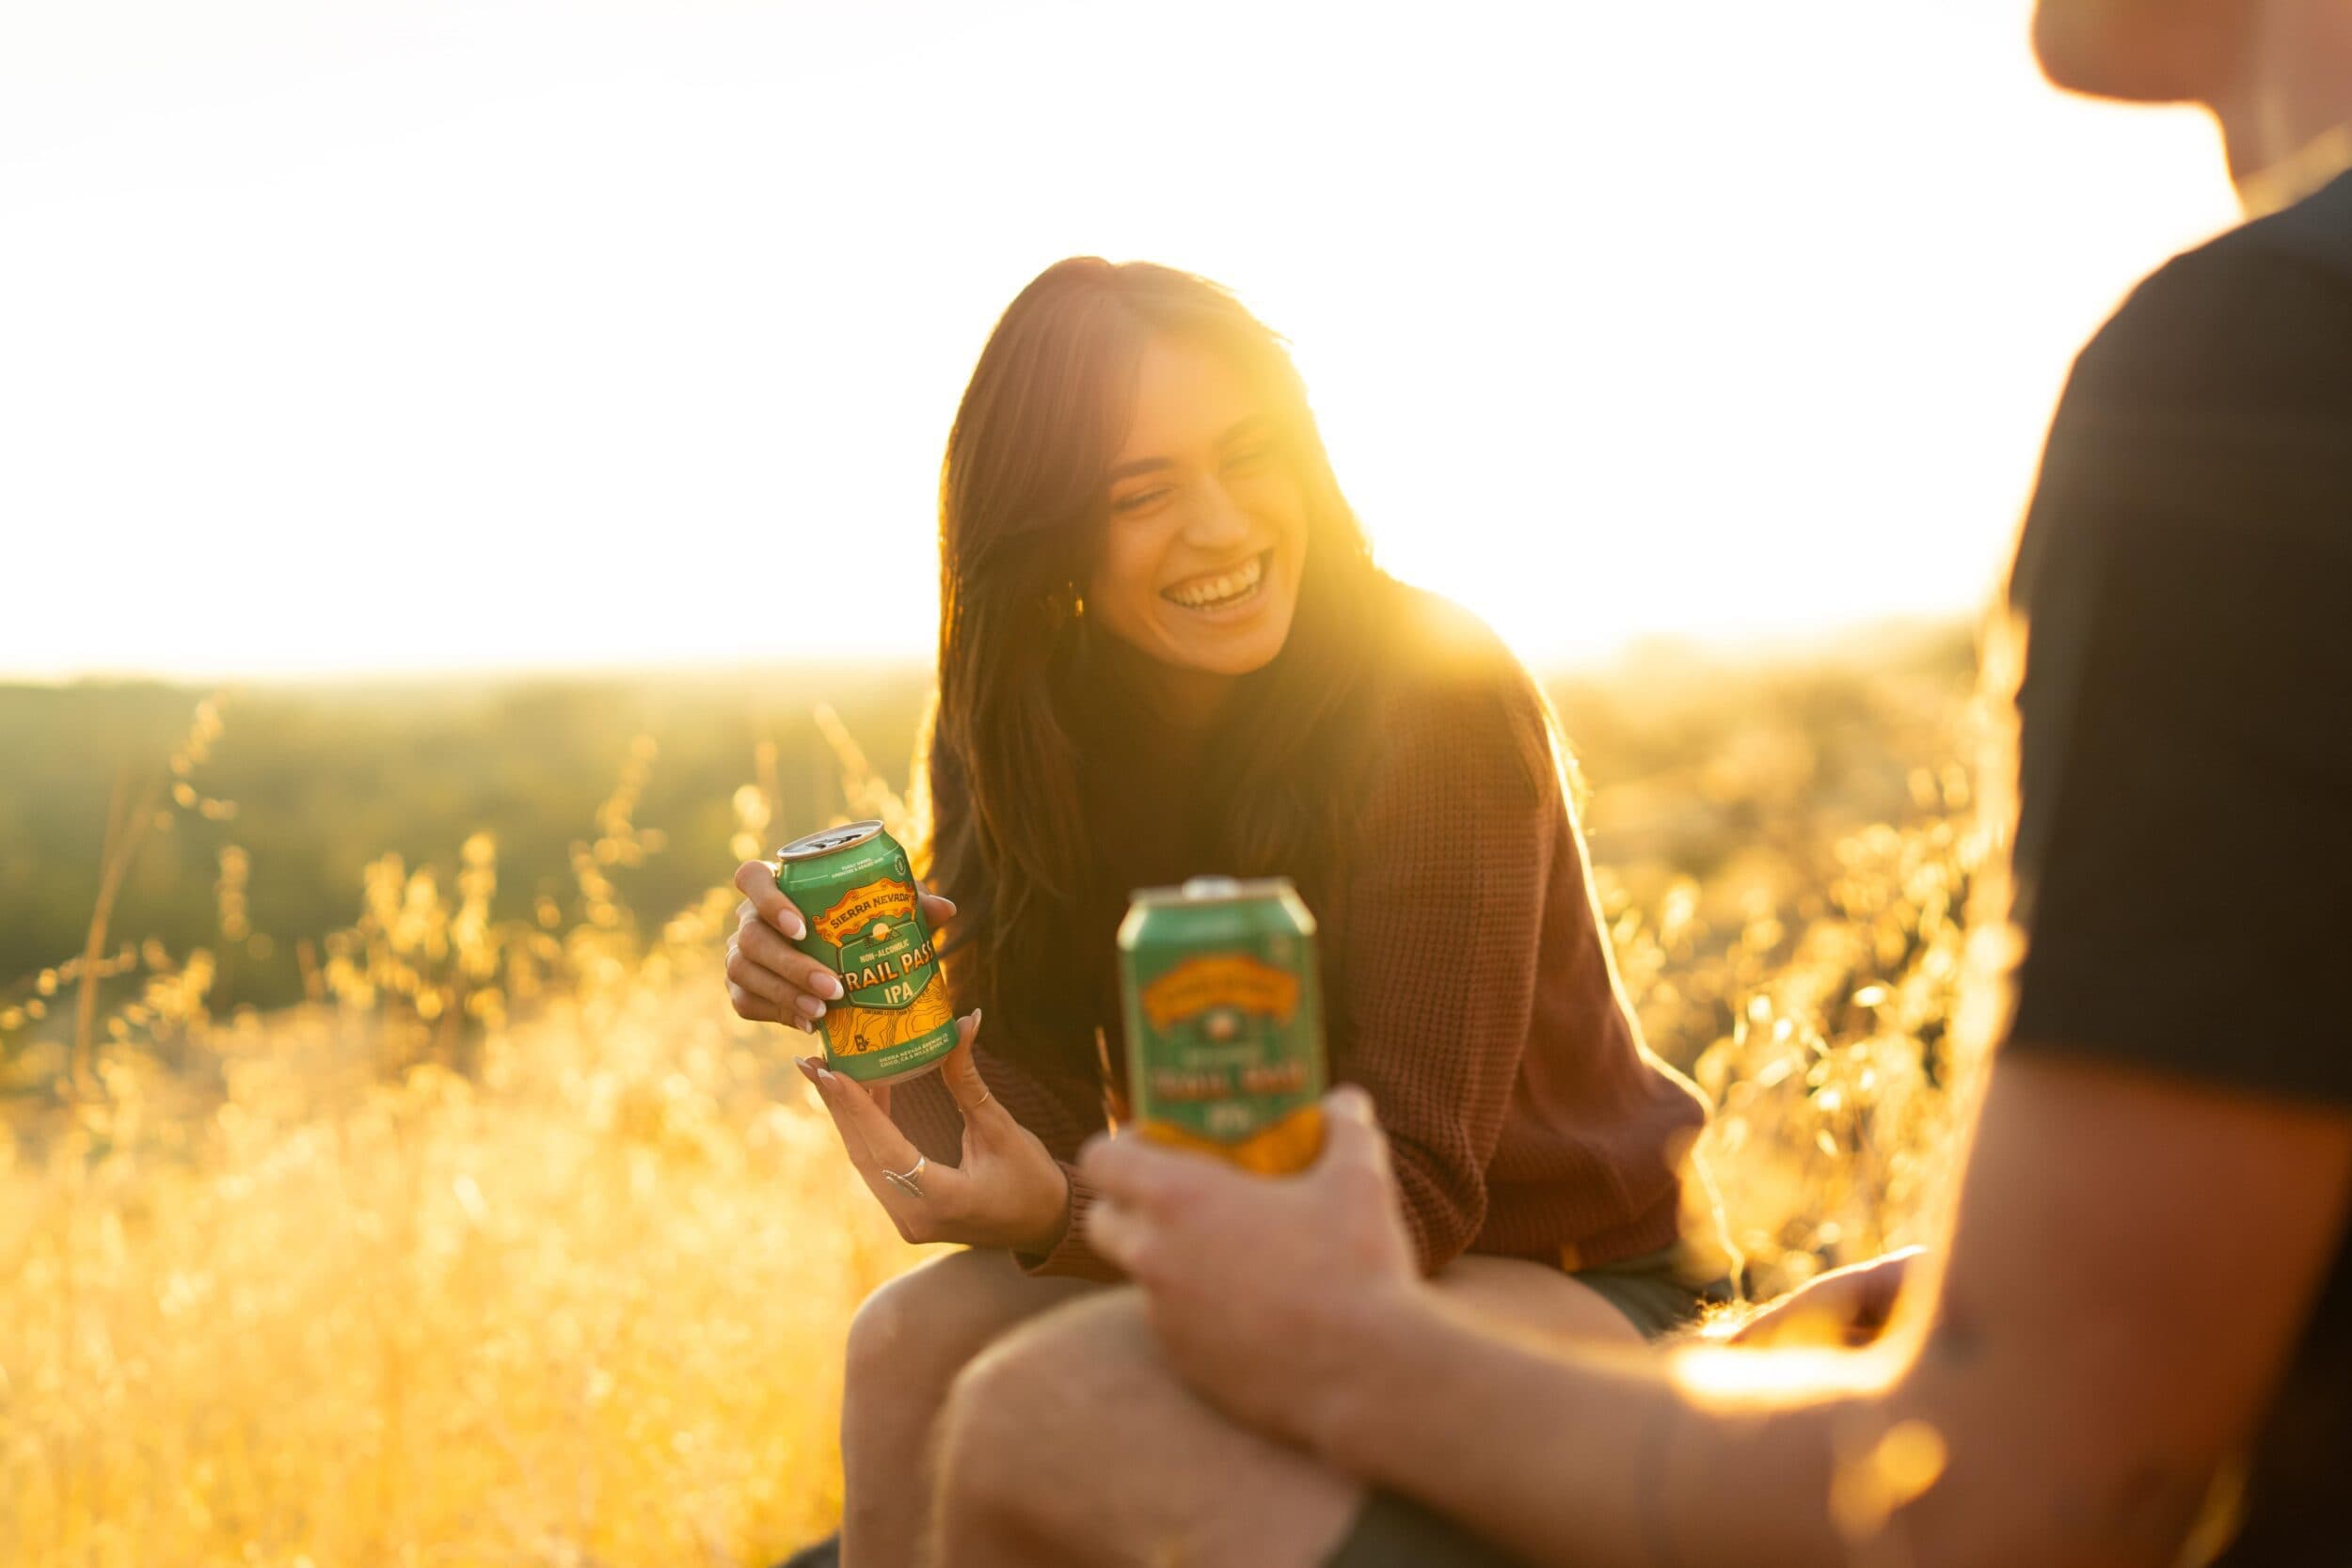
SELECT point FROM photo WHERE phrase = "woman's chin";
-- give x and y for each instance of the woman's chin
(1237, 647)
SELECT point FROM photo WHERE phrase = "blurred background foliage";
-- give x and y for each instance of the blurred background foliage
(1701, 768)
(317, 784)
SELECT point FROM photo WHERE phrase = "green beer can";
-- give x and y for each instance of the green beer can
(1224, 1011)
(853, 887)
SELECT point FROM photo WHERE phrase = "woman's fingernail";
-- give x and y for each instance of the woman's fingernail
(975, 1017)
(830, 985)
(810, 1008)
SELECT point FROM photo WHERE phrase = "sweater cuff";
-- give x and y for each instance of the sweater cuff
(1073, 1257)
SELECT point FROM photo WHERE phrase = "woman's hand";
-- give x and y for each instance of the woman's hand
(770, 981)
(1008, 1191)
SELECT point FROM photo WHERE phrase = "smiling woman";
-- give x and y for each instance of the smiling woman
(1200, 564)
(1165, 651)
(1134, 445)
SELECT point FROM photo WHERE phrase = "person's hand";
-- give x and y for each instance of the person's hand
(770, 981)
(1846, 1308)
(1008, 1193)
(1255, 1285)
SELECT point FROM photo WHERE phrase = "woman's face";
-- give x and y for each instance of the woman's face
(1201, 563)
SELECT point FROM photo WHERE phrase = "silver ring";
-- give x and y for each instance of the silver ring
(910, 1182)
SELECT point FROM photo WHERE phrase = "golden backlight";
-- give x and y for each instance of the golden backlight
(431, 336)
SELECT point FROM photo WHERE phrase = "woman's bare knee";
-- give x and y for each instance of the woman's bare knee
(944, 1312)
(1534, 1300)
(906, 1344)
(911, 1338)
(1071, 1439)
(1033, 1405)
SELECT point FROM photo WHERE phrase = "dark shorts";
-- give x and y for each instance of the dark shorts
(1655, 1291)
(1392, 1531)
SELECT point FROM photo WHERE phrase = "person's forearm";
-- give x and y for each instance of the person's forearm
(1596, 1456)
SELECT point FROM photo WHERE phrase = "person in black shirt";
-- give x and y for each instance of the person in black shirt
(2137, 1346)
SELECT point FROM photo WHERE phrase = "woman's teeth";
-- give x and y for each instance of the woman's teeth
(1216, 593)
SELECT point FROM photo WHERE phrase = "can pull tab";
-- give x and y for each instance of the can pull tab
(1211, 887)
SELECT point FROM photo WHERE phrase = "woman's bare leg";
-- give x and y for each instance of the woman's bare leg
(1069, 1441)
(907, 1343)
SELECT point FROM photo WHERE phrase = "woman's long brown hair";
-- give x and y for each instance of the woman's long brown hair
(1023, 501)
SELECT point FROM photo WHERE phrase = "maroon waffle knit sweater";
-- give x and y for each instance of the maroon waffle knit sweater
(1475, 996)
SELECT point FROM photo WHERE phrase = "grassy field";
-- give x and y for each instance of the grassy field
(449, 1217)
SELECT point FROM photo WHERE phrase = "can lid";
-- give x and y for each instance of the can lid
(825, 841)
(1215, 890)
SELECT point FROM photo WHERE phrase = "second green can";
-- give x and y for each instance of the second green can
(854, 887)
(1224, 1016)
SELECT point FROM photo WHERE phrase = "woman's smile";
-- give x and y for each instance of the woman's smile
(1225, 590)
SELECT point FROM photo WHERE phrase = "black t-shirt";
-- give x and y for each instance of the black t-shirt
(2184, 851)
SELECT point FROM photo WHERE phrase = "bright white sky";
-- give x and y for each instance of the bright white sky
(343, 336)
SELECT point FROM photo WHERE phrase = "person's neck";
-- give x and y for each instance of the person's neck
(2286, 120)
(1173, 697)
(1189, 700)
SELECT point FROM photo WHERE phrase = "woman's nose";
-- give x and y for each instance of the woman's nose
(1215, 521)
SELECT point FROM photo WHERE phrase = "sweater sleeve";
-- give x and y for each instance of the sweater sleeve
(1062, 1114)
(1461, 824)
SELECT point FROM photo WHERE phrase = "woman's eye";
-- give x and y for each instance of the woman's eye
(1138, 500)
(1248, 460)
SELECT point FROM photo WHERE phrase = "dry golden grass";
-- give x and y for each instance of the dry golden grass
(587, 1311)
(512, 1245)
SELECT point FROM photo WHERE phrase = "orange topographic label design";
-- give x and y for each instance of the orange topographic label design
(854, 1031)
(1234, 980)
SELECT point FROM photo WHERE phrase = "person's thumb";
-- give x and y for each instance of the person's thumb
(1351, 1129)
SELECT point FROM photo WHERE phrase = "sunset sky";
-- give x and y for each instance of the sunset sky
(420, 336)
